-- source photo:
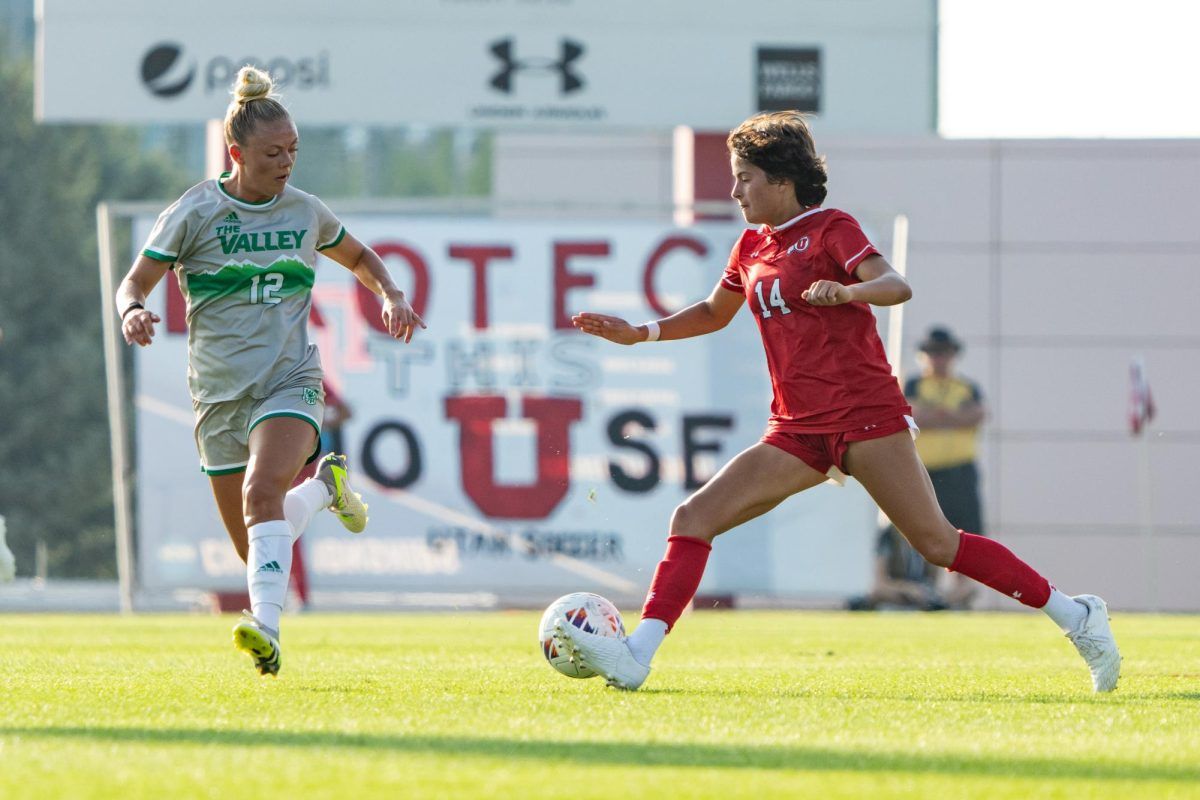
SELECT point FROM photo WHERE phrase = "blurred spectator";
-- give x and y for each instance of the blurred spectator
(949, 410)
(902, 579)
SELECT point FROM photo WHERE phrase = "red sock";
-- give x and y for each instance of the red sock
(992, 564)
(299, 575)
(676, 579)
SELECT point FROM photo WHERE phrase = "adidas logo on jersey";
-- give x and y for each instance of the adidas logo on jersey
(231, 223)
(270, 566)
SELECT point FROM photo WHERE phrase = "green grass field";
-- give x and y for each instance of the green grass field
(741, 704)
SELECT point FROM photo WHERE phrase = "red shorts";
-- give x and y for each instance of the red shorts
(824, 451)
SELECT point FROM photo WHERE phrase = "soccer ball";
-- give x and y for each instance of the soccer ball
(586, 611)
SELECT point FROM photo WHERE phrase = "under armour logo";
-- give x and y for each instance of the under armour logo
(800, 246)
(570, 81)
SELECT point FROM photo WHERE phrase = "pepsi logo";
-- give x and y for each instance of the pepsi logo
(164, 71)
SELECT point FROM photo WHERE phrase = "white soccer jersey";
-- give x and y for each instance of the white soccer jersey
(246, 271)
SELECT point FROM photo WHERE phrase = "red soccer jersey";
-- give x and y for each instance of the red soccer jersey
(828, 368)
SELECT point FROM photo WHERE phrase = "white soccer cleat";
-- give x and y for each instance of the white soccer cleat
(1095, 642)
(347, 504)
(605, 655)
(8, 564)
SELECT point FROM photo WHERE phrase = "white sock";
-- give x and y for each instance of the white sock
(267, 569)
(302, 502)
(645, 640)
(1067, 612)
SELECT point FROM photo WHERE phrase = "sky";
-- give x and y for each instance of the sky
(1069, 68)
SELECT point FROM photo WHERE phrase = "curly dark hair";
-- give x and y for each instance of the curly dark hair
(781, 145)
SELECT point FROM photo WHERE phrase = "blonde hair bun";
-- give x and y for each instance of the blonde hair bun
(251, 84)
(253, 104)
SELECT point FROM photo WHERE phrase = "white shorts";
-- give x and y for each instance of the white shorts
(223, 428)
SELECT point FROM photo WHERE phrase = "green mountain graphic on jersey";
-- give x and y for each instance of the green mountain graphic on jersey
(239, 276)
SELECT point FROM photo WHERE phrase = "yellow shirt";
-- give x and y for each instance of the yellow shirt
(940, 448)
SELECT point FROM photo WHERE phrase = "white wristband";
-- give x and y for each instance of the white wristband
(652, 331)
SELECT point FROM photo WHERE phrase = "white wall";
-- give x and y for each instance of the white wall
(582, 175)
(1056, 262)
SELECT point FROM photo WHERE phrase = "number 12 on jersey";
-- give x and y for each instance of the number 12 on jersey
(272, 282)
(776, 299)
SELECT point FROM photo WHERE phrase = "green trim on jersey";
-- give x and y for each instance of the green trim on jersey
(236, 199)
(297, 277)
(335, 242)
(227, 471)
(157, 256)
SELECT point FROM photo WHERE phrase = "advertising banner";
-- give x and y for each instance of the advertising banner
(501, 451)
(866, 67)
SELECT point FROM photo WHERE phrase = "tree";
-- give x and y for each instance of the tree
(54, 448)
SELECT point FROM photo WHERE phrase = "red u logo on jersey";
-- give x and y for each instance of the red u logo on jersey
(800, 246)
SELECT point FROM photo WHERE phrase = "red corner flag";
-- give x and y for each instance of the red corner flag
(1141, 404)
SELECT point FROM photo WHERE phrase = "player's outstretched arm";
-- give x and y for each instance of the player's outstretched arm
(707, 316)
(137, 323)
(609, 327)
(398, 315)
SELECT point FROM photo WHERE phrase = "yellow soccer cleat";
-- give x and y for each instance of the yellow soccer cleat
(260, 643)
(347, 503)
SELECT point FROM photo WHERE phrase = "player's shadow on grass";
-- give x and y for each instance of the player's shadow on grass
(653, 754)
(1017, 696)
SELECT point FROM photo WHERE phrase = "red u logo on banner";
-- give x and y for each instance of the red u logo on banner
(552, 416)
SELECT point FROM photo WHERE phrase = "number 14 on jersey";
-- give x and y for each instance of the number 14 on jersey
(776, 299)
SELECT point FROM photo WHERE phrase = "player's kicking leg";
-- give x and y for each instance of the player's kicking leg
(347, 504)
(753, 483)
